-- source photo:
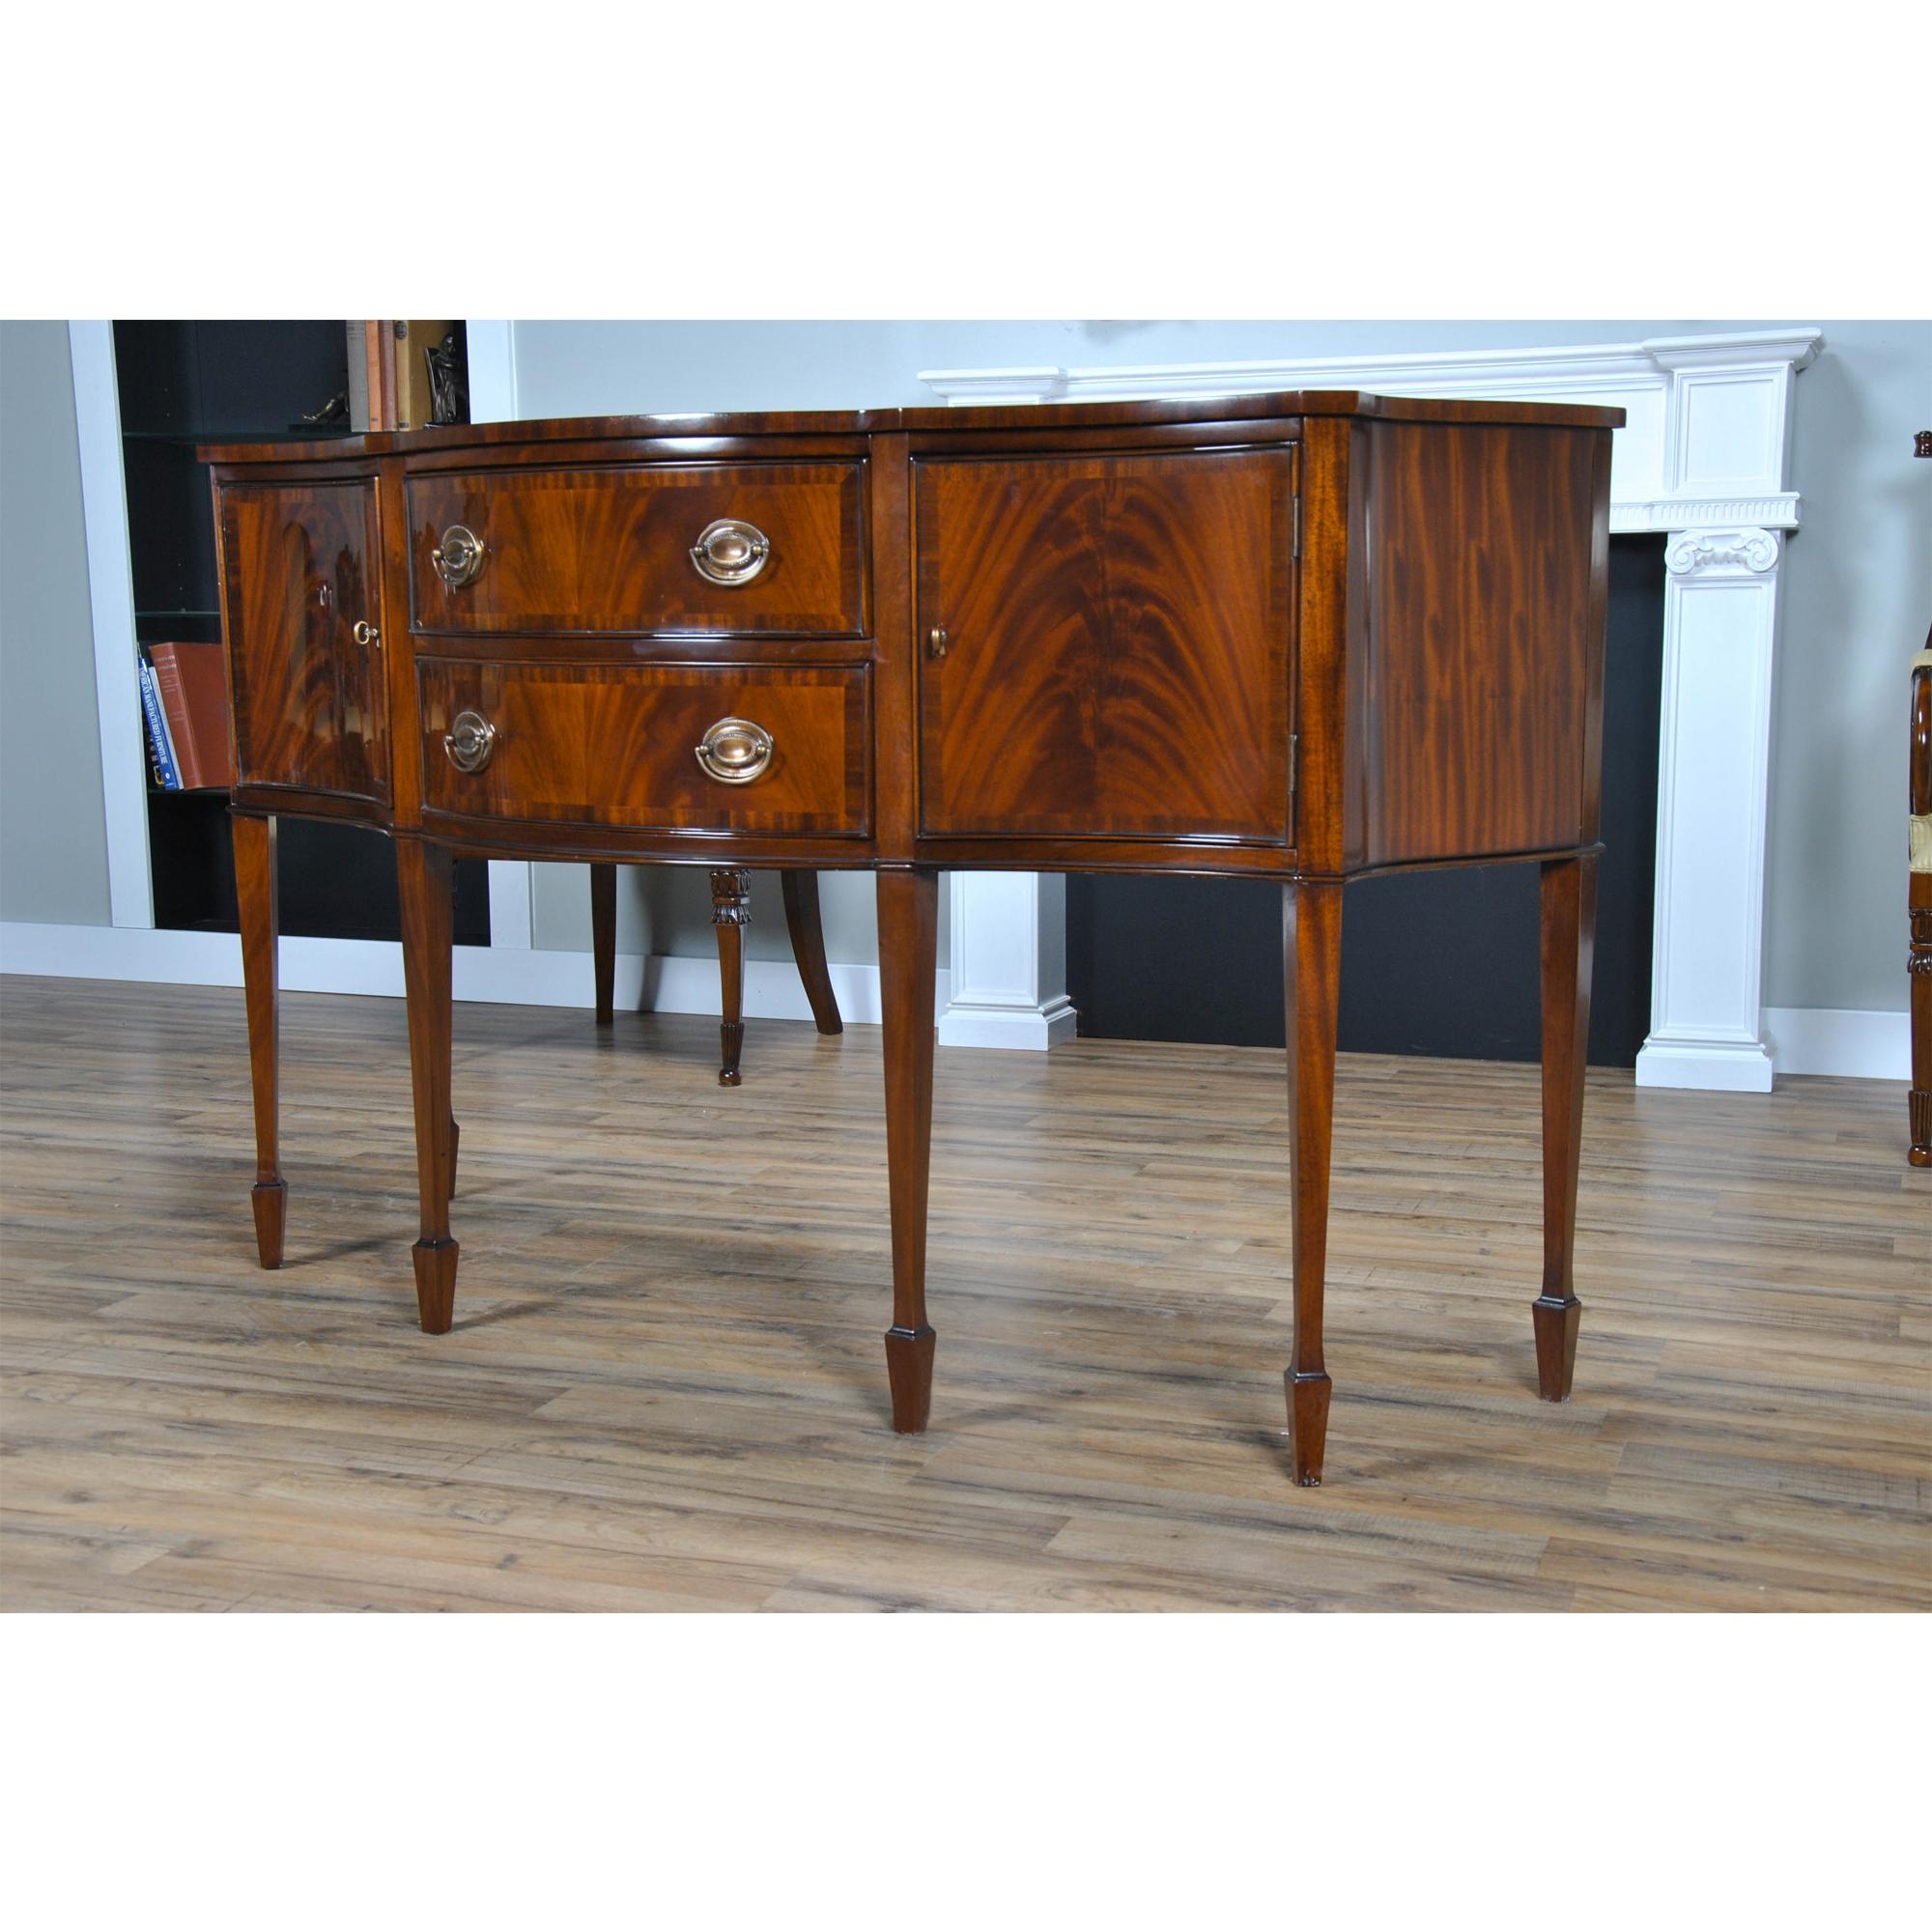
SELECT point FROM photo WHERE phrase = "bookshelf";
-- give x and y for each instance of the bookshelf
(180, 384)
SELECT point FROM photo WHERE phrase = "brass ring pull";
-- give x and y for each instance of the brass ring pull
(729, 552)
(366, 633)
(459, 558)
(469, 741)
(734, 752)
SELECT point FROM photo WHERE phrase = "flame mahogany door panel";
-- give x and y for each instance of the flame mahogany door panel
(1106, 646)
(300, 573)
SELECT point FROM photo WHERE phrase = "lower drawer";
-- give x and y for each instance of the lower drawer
(670, 747)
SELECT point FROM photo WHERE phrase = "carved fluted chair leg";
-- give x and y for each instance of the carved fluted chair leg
(807, 946)
(730, 914)
(604, 938)
(255, 895)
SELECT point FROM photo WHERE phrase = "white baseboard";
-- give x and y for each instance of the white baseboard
(491, 975)
(1803, 1039)
(1853, 1044)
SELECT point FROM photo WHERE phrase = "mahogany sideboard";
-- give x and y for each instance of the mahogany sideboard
(1296, 637)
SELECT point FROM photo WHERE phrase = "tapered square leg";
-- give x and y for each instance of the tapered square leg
(1568, 941)
(255, 873)
(425, 876)
(808, 947)
(269, 1199)
(730, 914)
(908, 941)
(1312, 952)
(604, 939)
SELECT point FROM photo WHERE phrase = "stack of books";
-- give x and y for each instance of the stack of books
(388, 378)
(184, 699)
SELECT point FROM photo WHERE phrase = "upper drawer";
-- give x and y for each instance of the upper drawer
(725, 549)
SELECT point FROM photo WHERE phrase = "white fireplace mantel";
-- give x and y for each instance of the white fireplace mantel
(1704, 456)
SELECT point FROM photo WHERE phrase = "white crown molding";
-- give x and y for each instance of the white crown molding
(1491, 373)
(1780, 510)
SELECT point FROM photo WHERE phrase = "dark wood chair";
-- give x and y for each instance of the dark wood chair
(730, 914)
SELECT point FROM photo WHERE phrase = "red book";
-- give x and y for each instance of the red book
(193, 683)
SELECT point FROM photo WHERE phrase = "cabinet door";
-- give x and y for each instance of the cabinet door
(300, 573)
(1116, 653)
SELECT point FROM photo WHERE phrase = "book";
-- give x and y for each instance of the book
(372, 375)
(359, 378)
(385, 352)
(159, 749)
(414, 341)
(192, 682)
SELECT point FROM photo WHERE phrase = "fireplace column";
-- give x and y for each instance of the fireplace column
(1719, 619)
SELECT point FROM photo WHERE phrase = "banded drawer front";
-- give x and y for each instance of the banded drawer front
(738, 549)
(664, 747)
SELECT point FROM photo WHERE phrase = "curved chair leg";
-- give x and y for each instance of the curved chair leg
(808, 946)
(730, 914)
(604, 937)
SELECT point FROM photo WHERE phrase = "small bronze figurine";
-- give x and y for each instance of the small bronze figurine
(448, 387)
(334, 415)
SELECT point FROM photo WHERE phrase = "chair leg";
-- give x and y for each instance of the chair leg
(807, 946)
(604, 937)
(730, 914)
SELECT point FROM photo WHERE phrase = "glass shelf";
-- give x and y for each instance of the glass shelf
(140, 614)
(188, 438)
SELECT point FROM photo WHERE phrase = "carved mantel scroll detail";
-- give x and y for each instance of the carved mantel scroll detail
(1691, 552)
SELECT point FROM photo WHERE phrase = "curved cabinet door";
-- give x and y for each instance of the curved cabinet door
(1106, 644)
(300, 569)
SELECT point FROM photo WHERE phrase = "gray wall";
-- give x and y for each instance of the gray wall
(53, 826)
(1858, 578)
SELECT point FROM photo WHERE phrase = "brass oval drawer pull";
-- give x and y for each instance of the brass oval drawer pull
(459, 558)
(734, 752)
(469, 741)
(729, 552)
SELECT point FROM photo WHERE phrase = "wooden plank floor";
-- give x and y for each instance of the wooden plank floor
(666, 1388)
